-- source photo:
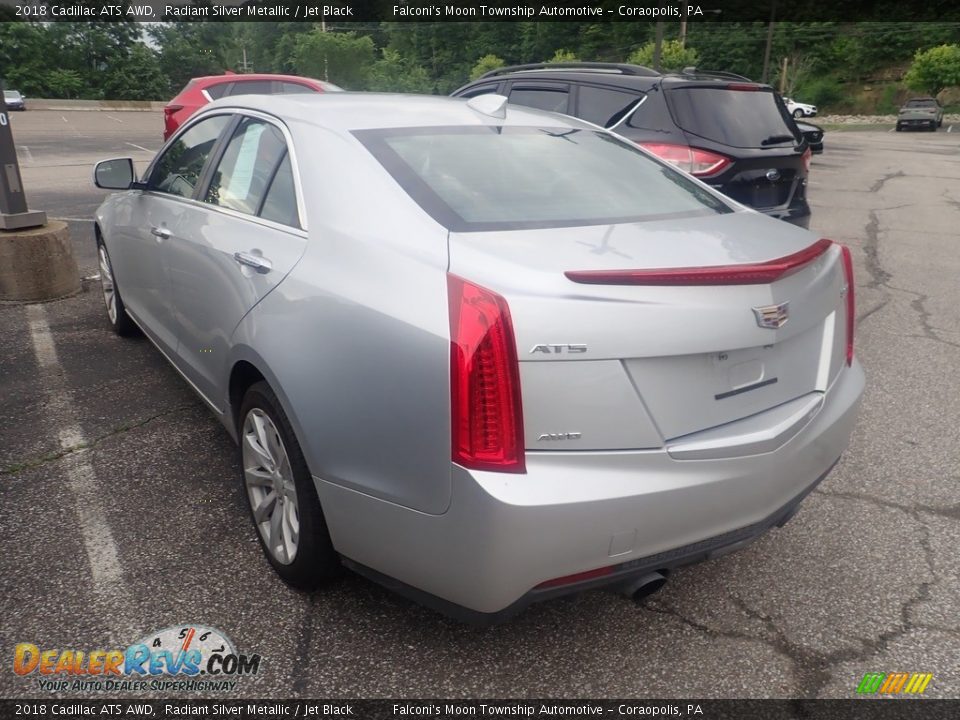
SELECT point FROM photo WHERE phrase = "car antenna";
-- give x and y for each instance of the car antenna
(489, 104)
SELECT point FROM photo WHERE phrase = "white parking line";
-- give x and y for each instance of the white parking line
(139, 147)
(63, 117)
(27, 155)
(105, 568)
(949, 128)
(115, 119)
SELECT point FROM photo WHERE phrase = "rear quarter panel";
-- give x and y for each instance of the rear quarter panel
(357, 336)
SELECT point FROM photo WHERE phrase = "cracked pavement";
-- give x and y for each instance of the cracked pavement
(863, 579)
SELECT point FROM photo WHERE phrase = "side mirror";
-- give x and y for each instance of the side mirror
(116, 174)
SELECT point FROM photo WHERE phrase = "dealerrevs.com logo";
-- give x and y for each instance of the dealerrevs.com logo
(183, 657)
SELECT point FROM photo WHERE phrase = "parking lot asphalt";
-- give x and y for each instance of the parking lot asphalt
(122, 509)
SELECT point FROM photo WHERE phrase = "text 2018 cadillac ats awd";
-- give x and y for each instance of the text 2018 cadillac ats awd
(483, 354)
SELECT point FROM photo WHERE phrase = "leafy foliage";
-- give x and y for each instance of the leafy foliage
(826, 62)
(485, 65)
(343, 58)
(673, 56)
(935, 69)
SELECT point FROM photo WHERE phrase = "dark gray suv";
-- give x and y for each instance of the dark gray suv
(732, 133)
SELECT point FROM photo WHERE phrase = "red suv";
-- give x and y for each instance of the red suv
(202, 90)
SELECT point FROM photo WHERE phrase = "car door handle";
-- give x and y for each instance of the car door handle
(161, 233)
(257, 262)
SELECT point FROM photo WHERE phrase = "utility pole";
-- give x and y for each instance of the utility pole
(658, 47)
(683, 26)
(783, 75)
(326, 63)
(766, 53)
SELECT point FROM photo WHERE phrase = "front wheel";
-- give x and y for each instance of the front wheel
(798, 113)
(899, 127)
(283, 500)
(116, 312)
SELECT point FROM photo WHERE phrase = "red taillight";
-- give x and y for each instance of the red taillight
(487, 419)
(747, 274)
(578, 577)
(851, 301)
(748, 87)
(692, 160)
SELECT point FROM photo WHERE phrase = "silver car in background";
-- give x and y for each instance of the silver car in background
(482, 354)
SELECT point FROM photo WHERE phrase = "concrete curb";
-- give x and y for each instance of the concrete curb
(95, 105)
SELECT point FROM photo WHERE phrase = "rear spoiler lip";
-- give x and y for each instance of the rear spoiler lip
(762, 273)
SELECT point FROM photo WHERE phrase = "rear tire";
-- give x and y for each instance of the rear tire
(283, 500)
(116, 311)
(899, 127)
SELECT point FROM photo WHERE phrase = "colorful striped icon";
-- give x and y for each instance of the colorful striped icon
(894, 683)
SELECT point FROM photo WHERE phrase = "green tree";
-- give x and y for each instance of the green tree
(62, 83)
(393, 73)
(485, 65)
(673, 56)
(24, 56)
(137, 76)
(563, 56)
(935, 69)
(191, 49)
(343, 58)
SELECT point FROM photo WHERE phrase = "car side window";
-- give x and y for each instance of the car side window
(291, 88)
(178, 170)
(252, 87)
(280, 204)
(551, 99)
(247, 167)
(480, 90)
(604, 106)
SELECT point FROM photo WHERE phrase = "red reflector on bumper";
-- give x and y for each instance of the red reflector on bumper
(576, 577)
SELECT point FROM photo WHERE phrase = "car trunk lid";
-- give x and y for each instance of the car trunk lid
(621, 365)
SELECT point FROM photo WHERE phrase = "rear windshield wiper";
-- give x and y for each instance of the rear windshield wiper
(774, 139)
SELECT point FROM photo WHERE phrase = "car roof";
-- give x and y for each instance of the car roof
(367, 111)
(612, 74)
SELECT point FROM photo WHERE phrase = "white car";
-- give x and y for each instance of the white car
(799, 109)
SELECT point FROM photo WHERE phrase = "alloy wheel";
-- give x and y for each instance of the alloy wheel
(270, 486)
(107, 285)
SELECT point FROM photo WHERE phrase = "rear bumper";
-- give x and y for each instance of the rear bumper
(503, 536)
(797, 214)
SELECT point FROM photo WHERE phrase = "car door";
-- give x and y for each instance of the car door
(244, 236)
(147, 220)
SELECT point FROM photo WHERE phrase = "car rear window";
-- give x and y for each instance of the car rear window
(504, 178)
(738, 118)
(921, 103)
(218, 90)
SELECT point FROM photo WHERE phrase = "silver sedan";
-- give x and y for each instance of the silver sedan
(482, 354)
